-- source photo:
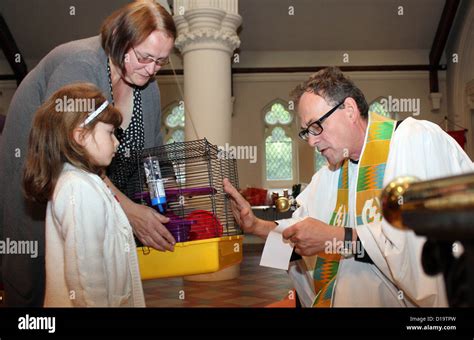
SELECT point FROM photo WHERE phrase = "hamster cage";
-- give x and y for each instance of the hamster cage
(191, 194)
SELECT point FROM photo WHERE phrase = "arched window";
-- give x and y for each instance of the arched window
(173, 123)
(280, 152)
(379, 106)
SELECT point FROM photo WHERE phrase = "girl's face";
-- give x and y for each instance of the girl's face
(145, 60)
(101, 144)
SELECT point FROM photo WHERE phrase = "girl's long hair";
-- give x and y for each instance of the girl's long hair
(51, 141)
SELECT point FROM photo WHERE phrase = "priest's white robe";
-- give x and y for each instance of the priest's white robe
(418, 148)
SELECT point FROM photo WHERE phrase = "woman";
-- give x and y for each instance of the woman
(135, 42)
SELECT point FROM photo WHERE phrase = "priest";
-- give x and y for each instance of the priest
(355, 257)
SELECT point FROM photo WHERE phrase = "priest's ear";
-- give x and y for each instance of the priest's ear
(352, 111)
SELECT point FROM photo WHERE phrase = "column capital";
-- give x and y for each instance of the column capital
(207, 28)
(207, 38)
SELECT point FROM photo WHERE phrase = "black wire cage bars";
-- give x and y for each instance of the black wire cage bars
(192, 174)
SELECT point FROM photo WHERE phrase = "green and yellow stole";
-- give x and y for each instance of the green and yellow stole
(370, 173)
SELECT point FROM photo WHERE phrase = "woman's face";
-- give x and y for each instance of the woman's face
(157, 46)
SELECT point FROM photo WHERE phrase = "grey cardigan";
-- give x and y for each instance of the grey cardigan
(77, 61)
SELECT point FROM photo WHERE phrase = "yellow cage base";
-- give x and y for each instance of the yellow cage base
(191, 258)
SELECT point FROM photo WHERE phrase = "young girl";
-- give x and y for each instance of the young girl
(90, 249)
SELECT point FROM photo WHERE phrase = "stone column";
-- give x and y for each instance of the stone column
(207, 39)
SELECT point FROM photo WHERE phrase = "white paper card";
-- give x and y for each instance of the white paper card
(277, 251)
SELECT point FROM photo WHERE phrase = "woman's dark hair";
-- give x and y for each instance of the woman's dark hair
(132, 24)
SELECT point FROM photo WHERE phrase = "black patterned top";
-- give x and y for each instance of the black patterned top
(124, 166)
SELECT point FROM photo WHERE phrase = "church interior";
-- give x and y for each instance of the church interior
(231, 71)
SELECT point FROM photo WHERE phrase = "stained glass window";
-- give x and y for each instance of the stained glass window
(174, 119)
(176, 136)
(377, 106)
(279, 155)
(279, 149)
(278, 115)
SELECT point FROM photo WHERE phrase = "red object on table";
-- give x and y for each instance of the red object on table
(206, 225)
(459, 136)
(255, 196)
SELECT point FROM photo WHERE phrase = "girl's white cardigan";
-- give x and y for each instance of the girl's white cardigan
(91, 257)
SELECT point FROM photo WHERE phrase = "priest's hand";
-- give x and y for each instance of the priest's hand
(311, 236)
(241, 208)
